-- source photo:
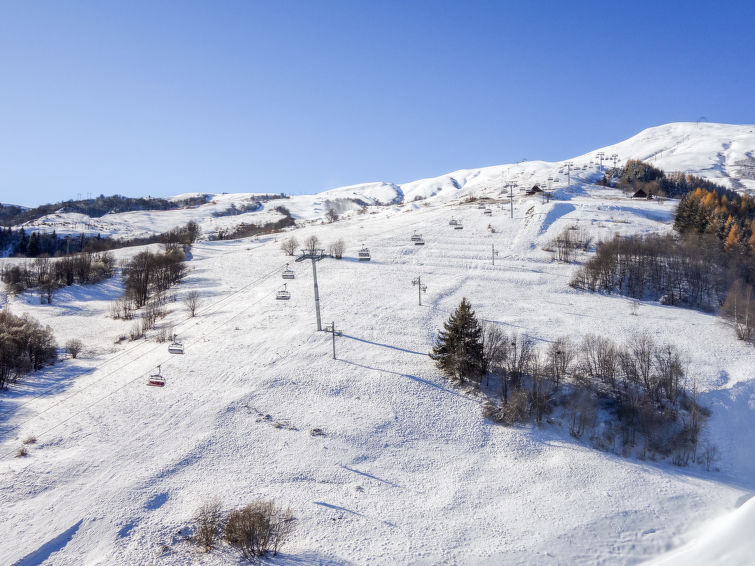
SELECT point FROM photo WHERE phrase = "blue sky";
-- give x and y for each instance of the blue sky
(164, 97)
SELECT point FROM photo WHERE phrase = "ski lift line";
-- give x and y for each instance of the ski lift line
(152, 349)
(124, 352)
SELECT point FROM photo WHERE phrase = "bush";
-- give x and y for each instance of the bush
(207, 524)
(74, 347)
(258, 528)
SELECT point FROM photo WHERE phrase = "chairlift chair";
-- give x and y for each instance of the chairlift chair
(488, 212)
(283, 294)
(452, 222)
(288, 273)
(364, 254)
(416, 237)
(458, 225)
(176, 347)
(419, 241)
(156, 379)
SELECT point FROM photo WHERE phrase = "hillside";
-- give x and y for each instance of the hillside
(407, 470)
(720, 152)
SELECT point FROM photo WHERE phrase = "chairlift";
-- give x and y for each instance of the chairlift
(156, 379)
(364, 254)
(488, 212)
(283, 294)
(419, 241)
(458, 225)
(481, 206)
(176, 347)
(288, 273)
(416, 237)
(452, 222)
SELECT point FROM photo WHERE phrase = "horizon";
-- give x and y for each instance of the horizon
(299, 98)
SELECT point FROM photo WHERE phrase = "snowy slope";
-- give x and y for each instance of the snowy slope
(721, 152)
(408, 472)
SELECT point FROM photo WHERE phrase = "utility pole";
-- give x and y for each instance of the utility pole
(420, 288)
(332, 329)
(494, 253)
(315, 255)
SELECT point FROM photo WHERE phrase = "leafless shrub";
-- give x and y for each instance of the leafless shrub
(191, 302)
(22, 452)
(516, 409)
(74, 347)
(30, 440)
(136, 331)
(162, 335)
(258, 528)
(207, 519)
(289, 245)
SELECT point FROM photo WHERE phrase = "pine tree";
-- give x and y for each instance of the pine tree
(459, 349)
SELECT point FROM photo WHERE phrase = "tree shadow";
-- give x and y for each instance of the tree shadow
(46, 382)
(46, 550)
(409, 376)
(383, 345)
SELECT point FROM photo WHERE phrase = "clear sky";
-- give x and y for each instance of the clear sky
(165, 97)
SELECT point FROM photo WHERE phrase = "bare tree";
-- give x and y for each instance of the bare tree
(312, 244)
(560, 356)
(191, 302)
(494, 349)
(290, 245)
(337, 248)
(74, 347)
(331, 216)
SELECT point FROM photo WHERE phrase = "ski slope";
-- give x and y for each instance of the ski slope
(407, 471)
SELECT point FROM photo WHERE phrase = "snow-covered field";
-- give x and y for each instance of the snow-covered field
(408, 471)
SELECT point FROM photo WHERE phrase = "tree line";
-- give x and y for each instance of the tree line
(640, 385)
(94, 208)
(38, 244)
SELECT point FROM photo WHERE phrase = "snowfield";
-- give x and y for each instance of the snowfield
(406, 471)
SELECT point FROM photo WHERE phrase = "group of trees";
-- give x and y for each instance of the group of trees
(730, 217)
(636, 175)
(48, 275)
(693, 272)
(246, 230)
(640, 384)
(335, 249)
(25, 346)
(150, 273)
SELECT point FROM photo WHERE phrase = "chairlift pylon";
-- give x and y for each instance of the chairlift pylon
(156, 379)
(283, 294)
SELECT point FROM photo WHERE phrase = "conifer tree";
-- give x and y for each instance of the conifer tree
(459, 348)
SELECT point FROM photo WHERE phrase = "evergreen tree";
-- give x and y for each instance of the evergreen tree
(459, 348)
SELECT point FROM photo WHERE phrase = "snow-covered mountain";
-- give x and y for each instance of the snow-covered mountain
(381, 460)
(721, 152)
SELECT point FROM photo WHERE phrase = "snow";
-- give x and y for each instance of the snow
(408, 471)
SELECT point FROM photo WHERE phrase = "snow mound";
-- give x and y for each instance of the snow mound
(727, 541)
